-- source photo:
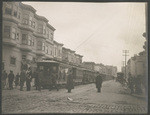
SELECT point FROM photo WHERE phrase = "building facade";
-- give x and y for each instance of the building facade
(28, 38)
(69, 56)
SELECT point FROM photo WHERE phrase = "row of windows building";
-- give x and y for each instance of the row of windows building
(29, 37)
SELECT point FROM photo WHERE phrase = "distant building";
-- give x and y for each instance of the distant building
(89, 65)
(58, 51)
(69, 56)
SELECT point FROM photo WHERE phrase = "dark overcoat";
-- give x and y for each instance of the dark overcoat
(11, 77)
(22, 77)
(99, 81)
(70, 83)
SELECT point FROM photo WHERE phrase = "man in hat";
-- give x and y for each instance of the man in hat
(70, 84)
(22, 79)
(28, 79)
(11, 79)
(4, 77)
(99, 82)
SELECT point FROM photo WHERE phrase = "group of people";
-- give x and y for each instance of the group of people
(19, 80)
(27, 76)
(134, 83)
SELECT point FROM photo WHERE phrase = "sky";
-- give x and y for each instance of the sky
(98, 31)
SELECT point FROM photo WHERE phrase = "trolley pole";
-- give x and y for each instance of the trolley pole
(125, 52)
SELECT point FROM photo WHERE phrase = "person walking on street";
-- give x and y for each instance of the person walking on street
(54, 76)
(130, 83)
(99, 82)
(4, 77)
(17, 80)
(70, 84)
(22, 79)
(38, 80)
(10, 79)
(28, 79)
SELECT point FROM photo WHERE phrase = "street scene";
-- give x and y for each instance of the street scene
(83, 99)
(74, 58)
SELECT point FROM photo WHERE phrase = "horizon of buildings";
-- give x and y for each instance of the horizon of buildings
(28, 38)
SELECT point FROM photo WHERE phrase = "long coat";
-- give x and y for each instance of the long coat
(99, 81)
(70, 83)
(11, 77)
(22, 77)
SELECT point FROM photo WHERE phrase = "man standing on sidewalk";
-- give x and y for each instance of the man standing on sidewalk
(22, 79)
(99, 82)
(11, 79)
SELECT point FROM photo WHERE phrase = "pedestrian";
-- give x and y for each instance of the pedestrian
(99, 82)
(35, 74)
(11, 79)
(28, 79)
(138, 83)
(4, 77)
(130, 83)
(70, 83)
(54, 78)
(22, 79)
(39, 78)
(17, 80)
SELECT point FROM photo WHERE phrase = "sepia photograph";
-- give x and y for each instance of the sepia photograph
(74, 57)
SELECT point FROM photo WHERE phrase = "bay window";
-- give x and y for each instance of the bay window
(40, 29)
(15, 14)
(43, 46)
(39, 45)
(29, 40)
(7, 31)
(46, 49)
(24, 39)
(30, 20)
(8, 11)
(25, 19)
(44, 29)
(13, 33)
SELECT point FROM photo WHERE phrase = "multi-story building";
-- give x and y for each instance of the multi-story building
(69, 56)
(26, 36)
(58, 51)
(89, 65)
(78, 59)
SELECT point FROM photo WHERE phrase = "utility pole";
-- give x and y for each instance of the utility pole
(125, 54)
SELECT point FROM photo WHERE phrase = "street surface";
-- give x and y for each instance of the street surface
(83, 99)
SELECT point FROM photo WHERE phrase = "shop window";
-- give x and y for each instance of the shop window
(24, 39)
(7, 31)
(15, 14)
(13, 60)
(8, 11)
